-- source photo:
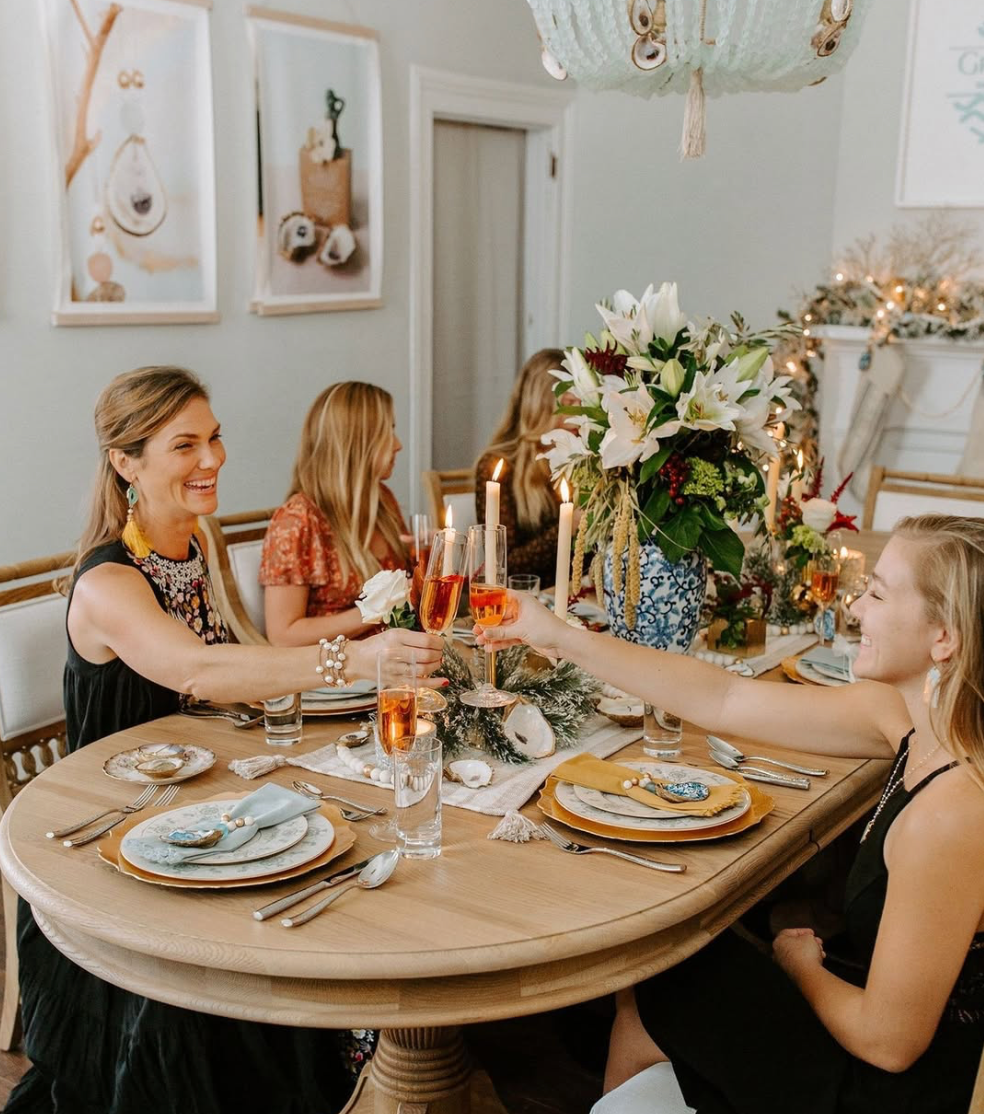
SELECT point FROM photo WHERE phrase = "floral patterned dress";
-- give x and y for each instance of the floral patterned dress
(299, 549)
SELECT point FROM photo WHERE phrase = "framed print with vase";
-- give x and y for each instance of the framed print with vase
(132, 153)
(319, 230)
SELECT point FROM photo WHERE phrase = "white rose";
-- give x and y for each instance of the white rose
(818, 514)
(382, 593)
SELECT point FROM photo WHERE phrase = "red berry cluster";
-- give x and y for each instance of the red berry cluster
(606, 361)
(675, 472)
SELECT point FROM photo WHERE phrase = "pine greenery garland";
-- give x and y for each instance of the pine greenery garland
(563, 694)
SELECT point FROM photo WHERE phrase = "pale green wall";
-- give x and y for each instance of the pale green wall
(742, 229)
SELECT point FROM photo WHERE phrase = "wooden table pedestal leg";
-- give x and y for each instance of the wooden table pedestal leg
(423, 1071)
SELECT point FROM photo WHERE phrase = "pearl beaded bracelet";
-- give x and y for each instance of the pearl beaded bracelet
(331, 661)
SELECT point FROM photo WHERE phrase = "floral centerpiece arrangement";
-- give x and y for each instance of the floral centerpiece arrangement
(668, 428)
(735, 612)
(556, 701)
(807, 526)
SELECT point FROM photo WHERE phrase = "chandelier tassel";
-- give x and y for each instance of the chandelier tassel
(692, 141)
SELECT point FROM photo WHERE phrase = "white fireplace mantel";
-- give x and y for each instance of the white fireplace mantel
(940, 382)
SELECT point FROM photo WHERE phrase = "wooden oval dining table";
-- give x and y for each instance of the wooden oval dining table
(490, 929)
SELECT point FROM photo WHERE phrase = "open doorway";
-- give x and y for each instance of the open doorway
(488, 241)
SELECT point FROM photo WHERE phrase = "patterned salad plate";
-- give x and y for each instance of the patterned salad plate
(123, 766)
(611, 808)
(328, 837)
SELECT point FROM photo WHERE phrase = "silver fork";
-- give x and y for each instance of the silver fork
(125, 809)
(580, 849)
(167, 796)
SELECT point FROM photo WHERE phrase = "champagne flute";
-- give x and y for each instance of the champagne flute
(824, 574)
(422, 534)
(439, 597)
(396, 714)
(487, 595)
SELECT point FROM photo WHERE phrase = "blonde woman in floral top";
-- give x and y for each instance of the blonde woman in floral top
(340, 524)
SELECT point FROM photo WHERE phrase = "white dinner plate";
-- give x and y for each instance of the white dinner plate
(123, 766)
(315, 840)
(592, 804)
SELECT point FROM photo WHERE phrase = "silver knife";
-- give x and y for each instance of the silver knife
(749, 773)
(325, 884)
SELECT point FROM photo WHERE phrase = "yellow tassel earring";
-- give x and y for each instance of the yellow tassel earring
(133, 537)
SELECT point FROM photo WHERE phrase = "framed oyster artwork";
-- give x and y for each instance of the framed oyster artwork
(131, 112)
(319, 231)
(941, 145)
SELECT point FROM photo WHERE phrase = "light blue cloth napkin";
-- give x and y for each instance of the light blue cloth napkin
(269, 805)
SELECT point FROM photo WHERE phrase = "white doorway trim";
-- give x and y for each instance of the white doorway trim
(546, 117)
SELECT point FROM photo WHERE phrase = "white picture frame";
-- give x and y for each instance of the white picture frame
(941, 145)
(132, 153)
(319, 232)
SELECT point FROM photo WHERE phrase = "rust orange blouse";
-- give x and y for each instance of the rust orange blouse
(299, 548)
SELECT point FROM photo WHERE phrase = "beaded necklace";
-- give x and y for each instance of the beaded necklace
(893, 783)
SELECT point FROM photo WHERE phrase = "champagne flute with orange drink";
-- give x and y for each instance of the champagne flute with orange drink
(487, 595)
(824, 574)
(440, 595)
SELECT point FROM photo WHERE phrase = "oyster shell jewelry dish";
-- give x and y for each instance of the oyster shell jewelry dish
(149, 764)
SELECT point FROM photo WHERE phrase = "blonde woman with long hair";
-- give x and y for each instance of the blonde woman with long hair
(340, 523)
(528, 503)
(896, 1022)
(142, 632)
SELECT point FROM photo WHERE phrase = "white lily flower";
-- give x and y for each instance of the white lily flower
(628, 322)
(751, 426)
(586, 381)
(627, 439)
(564, 447)
(706, 406)
(664, 314)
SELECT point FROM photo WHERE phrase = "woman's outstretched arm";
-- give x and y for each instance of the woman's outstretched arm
(863, 720)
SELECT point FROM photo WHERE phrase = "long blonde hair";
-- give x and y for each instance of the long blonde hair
(128, 413)
(950, 577)
(529, 414)
(345, 445)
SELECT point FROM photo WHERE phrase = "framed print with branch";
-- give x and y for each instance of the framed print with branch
(941, 147)
(131, 109)
(319, 145)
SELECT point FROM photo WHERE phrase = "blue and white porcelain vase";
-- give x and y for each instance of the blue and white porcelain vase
(670, 600)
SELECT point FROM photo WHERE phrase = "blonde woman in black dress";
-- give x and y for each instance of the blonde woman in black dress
(900, 1028)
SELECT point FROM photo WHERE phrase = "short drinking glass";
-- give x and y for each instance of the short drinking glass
(662, 733)
(417, 789)
(282, 720)
(525, 582)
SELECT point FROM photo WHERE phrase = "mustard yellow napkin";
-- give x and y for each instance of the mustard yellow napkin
(596, 773)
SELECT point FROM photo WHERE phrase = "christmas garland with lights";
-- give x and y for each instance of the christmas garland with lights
(918, 284)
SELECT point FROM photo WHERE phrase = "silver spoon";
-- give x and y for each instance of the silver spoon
(722, 747)
(374, 874)
(310, 790)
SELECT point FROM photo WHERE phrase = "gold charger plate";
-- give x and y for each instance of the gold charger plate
(762, 804)
(109, 849)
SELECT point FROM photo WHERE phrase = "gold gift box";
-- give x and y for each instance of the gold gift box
(754, 638)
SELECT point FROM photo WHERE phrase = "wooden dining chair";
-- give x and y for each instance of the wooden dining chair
(454, 487)
(892, 494)
(235, 546)
(32, 717)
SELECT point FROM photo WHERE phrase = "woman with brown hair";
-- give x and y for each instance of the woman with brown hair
(142, 630)
(899, 1026)
(340, 524)
(528, 504)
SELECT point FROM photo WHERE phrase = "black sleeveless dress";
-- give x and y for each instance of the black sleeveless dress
(743, 1040)
(97, 1049)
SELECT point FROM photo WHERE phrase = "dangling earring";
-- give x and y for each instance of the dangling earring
(931, 687)
(133, 537)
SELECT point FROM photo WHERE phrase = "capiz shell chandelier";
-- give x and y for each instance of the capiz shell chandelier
(655, 47)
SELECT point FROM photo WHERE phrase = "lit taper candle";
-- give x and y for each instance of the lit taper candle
(564, 531)
(491, 521)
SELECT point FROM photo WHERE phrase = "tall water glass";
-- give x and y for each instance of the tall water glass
(487, 595)
(417, 790)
